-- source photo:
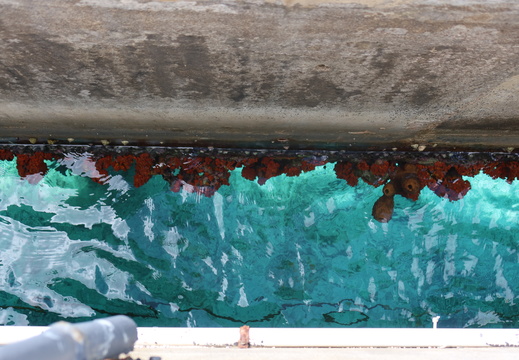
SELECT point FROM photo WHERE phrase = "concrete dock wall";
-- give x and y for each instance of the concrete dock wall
(294, 73)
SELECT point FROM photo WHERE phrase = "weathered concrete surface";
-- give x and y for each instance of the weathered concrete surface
(298, 73)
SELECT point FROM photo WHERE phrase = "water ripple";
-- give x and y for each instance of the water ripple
(297, 251)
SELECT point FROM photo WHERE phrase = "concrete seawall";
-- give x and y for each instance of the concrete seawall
(343, 74)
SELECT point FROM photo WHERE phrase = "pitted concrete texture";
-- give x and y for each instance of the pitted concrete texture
(298, 73)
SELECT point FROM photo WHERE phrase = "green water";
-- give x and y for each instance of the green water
(296, 252)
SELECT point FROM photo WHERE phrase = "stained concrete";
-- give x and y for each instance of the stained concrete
(262, 73)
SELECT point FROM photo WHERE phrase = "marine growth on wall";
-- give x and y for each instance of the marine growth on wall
(204, 171)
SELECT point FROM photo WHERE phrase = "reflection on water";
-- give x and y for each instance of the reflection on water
(262, 240)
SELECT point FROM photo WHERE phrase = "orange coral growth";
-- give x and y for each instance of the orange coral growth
(28, 164)
(375, 174)
(452, 186)
(514, 171)
(424, 175)
(123, 162)
(380, 168)
(203, 175)
(173, 162)
(271, 168)
(459, 186)
(267, 167)
(344, 170)
(469, 169)
(102, 165)
(363, 166)
(439, 169)
(6, 155)
(503, 170)
(263, 169)
(249, 172)
(143, 169)
(292, 171)
(311, 164)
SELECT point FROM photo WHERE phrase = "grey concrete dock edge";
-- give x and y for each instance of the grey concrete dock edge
(268, 343)
(298, 73)
(304, 337)
(192, 353)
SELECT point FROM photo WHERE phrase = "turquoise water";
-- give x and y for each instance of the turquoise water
(295, 252)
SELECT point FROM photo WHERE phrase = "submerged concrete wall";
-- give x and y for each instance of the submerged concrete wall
(293, 73)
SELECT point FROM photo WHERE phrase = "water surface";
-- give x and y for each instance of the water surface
(297, 251)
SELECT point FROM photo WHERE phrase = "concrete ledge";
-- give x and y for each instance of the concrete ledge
(320, 73)
(196, 353)
(299, 337)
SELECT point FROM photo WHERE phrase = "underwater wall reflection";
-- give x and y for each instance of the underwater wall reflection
(203, 237)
